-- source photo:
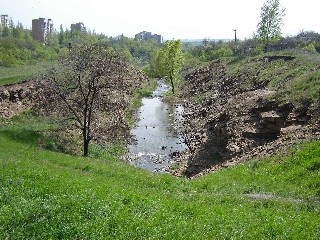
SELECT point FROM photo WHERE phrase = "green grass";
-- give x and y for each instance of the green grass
(50, 195)
(294, 80)
(9, 75)
(147, 90)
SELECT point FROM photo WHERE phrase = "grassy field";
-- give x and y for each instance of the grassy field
(50, 195)
(20, 73)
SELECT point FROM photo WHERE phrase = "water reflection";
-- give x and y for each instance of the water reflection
(157, 133)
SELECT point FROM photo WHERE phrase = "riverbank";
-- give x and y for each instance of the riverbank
(240, 109)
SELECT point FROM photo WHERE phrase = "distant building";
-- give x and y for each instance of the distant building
(144, 36)
(5, 25)
(158, 38)
(4, 21)
(41, 28)
(78, 27)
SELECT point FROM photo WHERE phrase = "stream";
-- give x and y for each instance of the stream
(157, 137)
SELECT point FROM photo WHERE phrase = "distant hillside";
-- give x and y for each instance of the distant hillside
(198, 42)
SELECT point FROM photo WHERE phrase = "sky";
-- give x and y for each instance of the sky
(173, 19)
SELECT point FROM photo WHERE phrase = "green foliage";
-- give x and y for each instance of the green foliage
(140, 51)
(18, 47)
(108, 152)
(21, 51)
(147, 90)
(294, 81)
(310, 48)
(271, 21)
(84, 85)
(221, 52)
(167, 62)
(152, 69)
(304, 87)
(209, 50)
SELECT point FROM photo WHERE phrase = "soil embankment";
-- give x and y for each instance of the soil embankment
(236, 111)
(17, 98)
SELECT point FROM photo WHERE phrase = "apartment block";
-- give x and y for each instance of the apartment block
(78, 27)
(41, 28)
(144, 36)
(5, 25)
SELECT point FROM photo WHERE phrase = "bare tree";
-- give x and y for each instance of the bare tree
(88, 85)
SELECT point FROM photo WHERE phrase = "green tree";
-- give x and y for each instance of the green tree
(153, 64)
(271, 21)
(169, 61)
(18, 31)
(61, 35)
(127, 55)
(52, 39)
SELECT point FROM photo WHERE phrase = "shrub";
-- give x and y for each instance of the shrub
(310, 48)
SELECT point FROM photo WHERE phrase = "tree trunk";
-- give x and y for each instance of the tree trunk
(266, 48)
(86, 147)
(172, 84)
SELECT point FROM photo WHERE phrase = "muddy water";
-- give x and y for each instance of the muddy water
(157, 135)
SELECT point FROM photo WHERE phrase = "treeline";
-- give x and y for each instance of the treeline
(134, 51)
(18, 47)
(211, 50)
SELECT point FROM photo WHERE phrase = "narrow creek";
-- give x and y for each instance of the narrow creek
(157, 137)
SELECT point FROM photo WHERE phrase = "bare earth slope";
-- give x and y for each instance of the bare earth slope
(243, 108)
(17, 98)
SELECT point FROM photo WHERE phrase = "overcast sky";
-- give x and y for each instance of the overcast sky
(173, 19)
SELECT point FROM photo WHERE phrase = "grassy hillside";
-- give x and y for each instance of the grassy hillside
(14, 74)
(48, 195)
(294, 80)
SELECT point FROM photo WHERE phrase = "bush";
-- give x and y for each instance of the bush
(310, 48)
(7, 60)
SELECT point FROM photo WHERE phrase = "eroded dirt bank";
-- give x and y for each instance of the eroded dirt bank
(17, 98)
(233, 115)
